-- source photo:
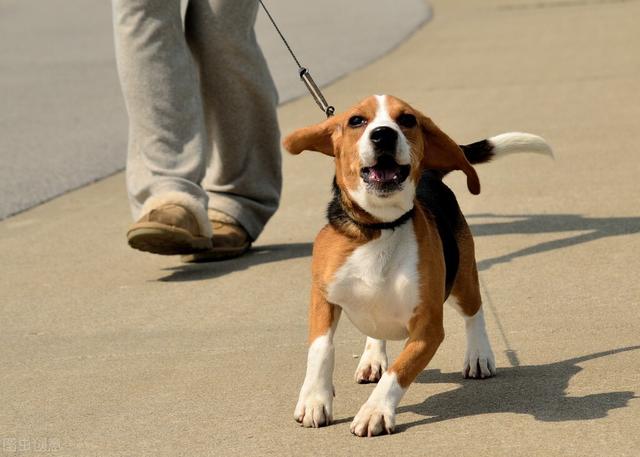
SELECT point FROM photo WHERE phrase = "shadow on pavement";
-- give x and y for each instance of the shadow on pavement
(595, 227)
(538, 390)
(257, 256)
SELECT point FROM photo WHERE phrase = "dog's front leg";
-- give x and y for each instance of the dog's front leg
(377, 415)
(315, 403)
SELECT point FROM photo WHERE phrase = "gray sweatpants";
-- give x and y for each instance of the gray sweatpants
(201, 105)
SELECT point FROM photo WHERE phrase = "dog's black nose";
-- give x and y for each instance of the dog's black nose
(384, 138)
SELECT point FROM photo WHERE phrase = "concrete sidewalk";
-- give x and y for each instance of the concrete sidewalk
(109, 352)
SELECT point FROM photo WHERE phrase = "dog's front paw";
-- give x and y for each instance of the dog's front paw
(373, 420)
(372, 365)
(314, 408)
(479, 362)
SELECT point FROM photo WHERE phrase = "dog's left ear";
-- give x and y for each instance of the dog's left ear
(319, 137)
(442, 153)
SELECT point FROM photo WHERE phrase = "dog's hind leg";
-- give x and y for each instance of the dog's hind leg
(373, 361)
(479, 361)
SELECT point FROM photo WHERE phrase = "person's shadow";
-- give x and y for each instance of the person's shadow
(592, 228)
(537, 390)
(256, 256)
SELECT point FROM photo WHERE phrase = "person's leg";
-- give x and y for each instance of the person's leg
(244, 177)
(167, 139)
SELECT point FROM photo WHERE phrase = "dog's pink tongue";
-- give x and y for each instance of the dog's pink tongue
(382, 174)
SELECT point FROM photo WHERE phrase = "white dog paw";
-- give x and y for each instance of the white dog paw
(373, 362)
(479, 362)
(373, 420)
(314, 409)
(371, 367)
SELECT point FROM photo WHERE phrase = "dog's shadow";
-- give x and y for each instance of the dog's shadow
(256, 256)
(537, 390)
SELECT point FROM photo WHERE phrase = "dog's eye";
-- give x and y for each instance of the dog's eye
(357, 121)
(407, 121)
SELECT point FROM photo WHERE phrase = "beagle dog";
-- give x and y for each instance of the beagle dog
(395, 248)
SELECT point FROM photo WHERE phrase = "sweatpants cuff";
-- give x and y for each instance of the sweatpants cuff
(251, 220)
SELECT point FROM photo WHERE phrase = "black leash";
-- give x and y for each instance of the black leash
(304, 74)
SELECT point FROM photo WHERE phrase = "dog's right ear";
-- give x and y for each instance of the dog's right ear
(321, 137)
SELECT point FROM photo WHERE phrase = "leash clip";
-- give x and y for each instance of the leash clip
(315, 92)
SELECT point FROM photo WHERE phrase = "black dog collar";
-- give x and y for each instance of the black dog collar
(385, 225)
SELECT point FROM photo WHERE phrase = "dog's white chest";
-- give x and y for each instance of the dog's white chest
(377, 286)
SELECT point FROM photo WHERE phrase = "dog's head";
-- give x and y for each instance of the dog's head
(381, 146)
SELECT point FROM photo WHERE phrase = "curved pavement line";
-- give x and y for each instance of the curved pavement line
(63, 124)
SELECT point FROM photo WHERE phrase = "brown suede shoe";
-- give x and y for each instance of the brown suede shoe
(170, 229)
(229, 240)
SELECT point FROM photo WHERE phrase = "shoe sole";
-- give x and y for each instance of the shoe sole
(166, 240)
(215, 254)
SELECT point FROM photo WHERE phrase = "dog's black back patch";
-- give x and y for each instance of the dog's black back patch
(439, 201)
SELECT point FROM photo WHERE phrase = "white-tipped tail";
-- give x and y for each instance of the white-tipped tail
(512, 142)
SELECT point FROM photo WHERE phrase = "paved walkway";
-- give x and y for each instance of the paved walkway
(109, 352)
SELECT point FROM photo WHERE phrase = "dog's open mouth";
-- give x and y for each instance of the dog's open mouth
(386, 175)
